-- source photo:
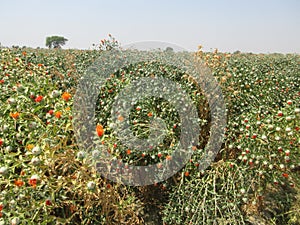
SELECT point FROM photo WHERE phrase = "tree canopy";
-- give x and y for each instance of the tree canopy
(169, 49)
(55, 41)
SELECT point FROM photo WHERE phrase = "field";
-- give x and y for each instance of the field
(45, 178)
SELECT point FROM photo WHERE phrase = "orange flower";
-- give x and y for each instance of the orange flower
(150, 114)
(30, 146)
(33, 181)
(99, 130)
(66, 96)
(40, 65)
(1, 207)
(285, 175)
(187, 173)
(38, 98)
(128, 152)
(58, 114)
(168, 157)
(120, 118)
(19, 183)
(15, 115)
(24, 53)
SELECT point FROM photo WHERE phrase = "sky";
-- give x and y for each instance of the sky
(258, 26)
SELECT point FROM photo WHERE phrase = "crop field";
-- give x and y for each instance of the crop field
(46, 178)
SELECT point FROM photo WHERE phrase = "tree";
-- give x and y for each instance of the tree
(55, 41)
(237, 52)
(169, 49)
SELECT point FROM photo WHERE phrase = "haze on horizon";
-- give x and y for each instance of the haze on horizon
(249, 26)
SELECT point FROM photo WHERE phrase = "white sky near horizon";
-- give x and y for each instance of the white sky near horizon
(258, 26)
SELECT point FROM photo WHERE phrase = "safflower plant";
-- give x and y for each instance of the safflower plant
(255, 178)
(42, 180)
(45, 177)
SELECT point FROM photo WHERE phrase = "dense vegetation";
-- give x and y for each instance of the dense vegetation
(45, 177)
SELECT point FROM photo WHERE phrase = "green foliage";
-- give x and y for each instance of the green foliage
(45, 178)
(259, 170)
(55, 41)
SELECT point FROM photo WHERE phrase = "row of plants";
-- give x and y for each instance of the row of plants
(256, 176)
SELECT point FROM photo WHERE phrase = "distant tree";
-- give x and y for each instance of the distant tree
(237, 52)
(55, 41)
(169, 49)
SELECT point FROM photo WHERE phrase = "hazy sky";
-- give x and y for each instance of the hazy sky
(229, 25)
